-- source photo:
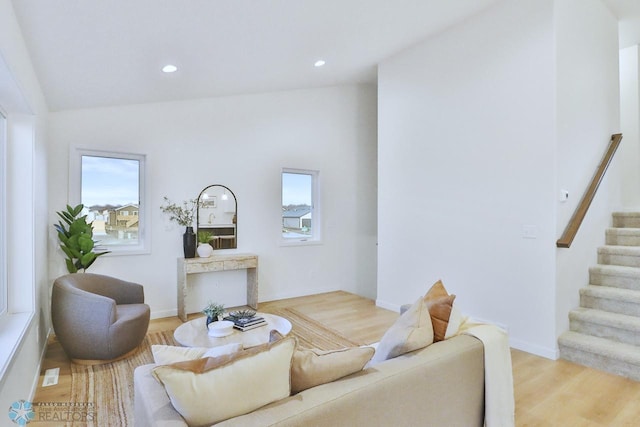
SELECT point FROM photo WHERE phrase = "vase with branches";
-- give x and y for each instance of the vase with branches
(183, 215)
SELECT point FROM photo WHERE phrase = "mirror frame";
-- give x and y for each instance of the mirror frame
(235, 200)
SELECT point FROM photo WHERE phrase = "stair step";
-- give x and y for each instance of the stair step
(622, 236)
(617, 276)
(619, 255)
(613, 300)
(600, 353)
(603, 324)
(626, 219)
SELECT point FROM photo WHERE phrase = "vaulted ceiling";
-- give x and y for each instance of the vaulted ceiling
(100, 53)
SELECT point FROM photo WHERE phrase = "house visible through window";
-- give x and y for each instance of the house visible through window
(300, 213)
(112, 192)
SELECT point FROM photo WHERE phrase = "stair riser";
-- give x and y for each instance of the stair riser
(600, 362)
(603, 331)
(613, 306)
(622, 240)
(623, 282)
(617, 259)
(626, 221)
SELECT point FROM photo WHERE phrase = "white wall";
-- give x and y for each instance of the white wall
(241, 142)
(21, 98)
(466, 160)
(629, 151)
(479, 130)
(588, 113)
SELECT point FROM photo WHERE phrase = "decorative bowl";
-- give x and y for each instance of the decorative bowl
(221, 328)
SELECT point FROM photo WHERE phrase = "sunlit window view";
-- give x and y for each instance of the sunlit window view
(297, 205)
(110, 194)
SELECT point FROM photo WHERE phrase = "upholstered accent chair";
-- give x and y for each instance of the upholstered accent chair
(98, 319)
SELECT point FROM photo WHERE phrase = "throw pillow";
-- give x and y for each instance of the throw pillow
(311, 367)
(168, 354)
(455, 320)
(412, 330)
(209, 390)
(439, 304)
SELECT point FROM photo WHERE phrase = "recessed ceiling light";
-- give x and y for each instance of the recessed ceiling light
(169, 68)
(319, 63)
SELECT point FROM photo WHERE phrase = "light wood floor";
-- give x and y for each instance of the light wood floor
(547, 393)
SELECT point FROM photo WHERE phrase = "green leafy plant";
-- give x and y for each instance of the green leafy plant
(213, 310)
(204, 236)
(184, 214)
(76, 239)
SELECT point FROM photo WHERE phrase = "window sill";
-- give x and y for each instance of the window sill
(13, 328)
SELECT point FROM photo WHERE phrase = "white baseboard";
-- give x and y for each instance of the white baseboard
(159, 314)
(545, 352)
(43, 353)
(388, 305)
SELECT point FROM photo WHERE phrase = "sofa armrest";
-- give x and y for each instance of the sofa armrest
(152, 405)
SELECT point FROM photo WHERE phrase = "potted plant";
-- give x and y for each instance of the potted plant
(204, 248)
(213, 311)
(76, 239)
(183, 215)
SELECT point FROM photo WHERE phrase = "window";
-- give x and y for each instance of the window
(300, 206)
(111, 187)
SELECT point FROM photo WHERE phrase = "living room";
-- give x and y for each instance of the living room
(464, 137)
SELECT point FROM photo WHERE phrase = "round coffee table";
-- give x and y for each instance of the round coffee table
(194, 333)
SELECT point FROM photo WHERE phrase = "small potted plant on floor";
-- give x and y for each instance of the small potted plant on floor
(204, 248)
(213, 311)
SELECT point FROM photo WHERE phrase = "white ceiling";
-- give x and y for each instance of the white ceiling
(100, 53)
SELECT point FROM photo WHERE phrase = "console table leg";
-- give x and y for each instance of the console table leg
(252, 288)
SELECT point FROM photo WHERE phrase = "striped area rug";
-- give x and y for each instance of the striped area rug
(110, 386)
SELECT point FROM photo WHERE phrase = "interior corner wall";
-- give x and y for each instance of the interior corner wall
(242, 142)
(588, 113)
(26, 128)
(466, 171)
(629, 150)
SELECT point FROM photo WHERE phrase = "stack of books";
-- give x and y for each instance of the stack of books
(246, 323)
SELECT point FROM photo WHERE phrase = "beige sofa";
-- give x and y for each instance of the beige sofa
(440, 385)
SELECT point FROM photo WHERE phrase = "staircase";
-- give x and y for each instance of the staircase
(605, 331)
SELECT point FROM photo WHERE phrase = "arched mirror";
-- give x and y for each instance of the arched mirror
(217, 217)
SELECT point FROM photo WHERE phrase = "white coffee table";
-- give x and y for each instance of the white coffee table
(195, 334)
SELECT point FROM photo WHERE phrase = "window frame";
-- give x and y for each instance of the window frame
(316, 216)
(144, 216)
(3, 215)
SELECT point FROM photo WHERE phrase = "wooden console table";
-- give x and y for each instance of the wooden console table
(215, 263)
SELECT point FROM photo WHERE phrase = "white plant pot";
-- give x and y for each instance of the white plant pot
(205, 250)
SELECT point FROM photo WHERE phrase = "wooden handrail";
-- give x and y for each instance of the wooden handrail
(574, 223)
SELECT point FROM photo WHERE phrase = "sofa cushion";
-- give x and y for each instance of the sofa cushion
(412, 330)
(208, 390)
(439, 304)
(168, 354)
(311, 367)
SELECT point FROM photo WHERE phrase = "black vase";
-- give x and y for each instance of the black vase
(211, 320)
(189, 243)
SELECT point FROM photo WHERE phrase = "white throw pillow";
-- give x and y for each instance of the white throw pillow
(209, 390)
(168, 354)
(412, 330)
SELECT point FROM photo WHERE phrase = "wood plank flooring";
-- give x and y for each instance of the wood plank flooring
(548, 393)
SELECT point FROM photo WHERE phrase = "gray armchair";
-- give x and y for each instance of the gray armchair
(96, 318)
